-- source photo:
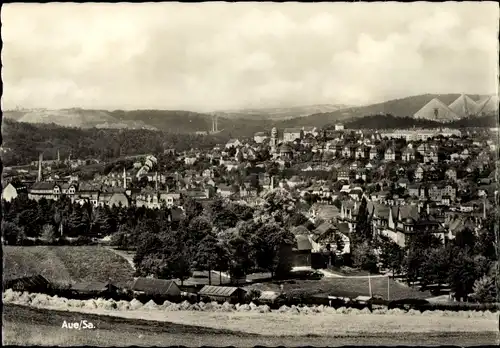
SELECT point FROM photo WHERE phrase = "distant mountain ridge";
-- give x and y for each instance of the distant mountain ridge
(283, 113)
(246, 122)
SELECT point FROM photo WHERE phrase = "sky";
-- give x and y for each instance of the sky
(219, 56)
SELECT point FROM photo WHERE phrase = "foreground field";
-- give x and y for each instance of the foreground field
(30, 326)
(65, 264)
(347, 287)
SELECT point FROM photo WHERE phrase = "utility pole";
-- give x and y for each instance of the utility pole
(388, 286)
(370, 284)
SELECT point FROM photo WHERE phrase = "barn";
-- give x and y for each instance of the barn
(95, 288)
(35, 283)
(155, 287)
(223, 293)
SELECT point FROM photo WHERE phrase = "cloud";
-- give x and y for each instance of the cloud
(210, 56)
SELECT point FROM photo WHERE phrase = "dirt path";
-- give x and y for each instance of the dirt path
(129, 258)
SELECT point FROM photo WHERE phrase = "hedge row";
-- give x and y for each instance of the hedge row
(42, 300)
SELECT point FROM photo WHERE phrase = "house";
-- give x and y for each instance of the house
(291, 134)
(233, 143)
(170, 199)
(343, 175)
(414, 190)
(155, 287)
(286, 152)
(229, 294)
(260, 137)
(419, 173)
(9, 193)
(465, 154)
(310, 130)
(431, 156)
(302, 253)
(408, 154)
(390, 155)
(373, 154)
(224, 190)
(451, 174)
(349, 151)
(68, 189)
(47, 190)
(361, 152)
(403, 182)
(190, 160)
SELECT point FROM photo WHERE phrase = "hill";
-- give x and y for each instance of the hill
(405, 107)
(277, 114)
(66, 264)
(393, 122)
(75, 117)
(26, 141)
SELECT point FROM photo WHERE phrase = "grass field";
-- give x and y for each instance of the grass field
(347, 287)
(66, 264)
(30, 326)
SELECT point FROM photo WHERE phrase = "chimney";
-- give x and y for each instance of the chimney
(272, 182)
(156, 181)
(40, 160)
(124, 179)
(58, 157)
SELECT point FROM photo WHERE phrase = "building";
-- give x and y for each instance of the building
(155, 287)
(292, 134)
(260, 137)
(302, 253)
(222, 294)
(233, 143)
(339, 127)
(47, 190)
(10, 192)
(390, 155)
(286, 152)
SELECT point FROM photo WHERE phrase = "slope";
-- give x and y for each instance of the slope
(488, 106)
(398, 107)
(80, 118)
(277, 114)
(66, 264)
(464, 106)
(436, 110)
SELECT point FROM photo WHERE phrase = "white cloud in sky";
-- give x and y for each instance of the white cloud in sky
(210, 56)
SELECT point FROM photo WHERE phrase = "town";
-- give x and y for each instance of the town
(403, 184)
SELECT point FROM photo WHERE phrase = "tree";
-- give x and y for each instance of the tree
(365, 258)
(192, 208)
(391, 255)
(206, 255)
(271, 248)
(484, 289)
(48, 233)
(11, 233)
(364, 230)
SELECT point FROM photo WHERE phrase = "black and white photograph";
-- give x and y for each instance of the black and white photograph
(250, 174)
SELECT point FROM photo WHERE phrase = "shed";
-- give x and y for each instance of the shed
(95, 287)
(35, 283)
(302, 253)
(153, 286)
(223, 293)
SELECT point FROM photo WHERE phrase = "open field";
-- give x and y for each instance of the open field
(347, 287)
(24, 325)
(66, 264)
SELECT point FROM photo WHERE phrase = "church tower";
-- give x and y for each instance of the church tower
(274, 140)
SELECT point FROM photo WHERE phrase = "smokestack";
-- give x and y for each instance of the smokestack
(124, 179)
(272, 182)
(216, 123)
(40, 160)
(156, 181)
(58, 157)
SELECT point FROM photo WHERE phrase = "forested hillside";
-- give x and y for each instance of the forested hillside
(24, 142)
